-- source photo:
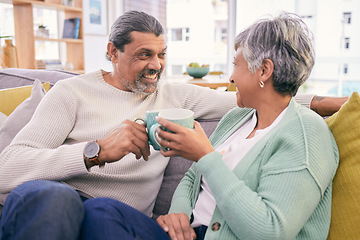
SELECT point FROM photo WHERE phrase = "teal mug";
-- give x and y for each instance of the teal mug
(149, 121)
(183, 117)
(180, 116)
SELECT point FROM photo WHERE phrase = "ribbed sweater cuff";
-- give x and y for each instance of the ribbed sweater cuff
(304, 99)
(206, 161)
(74, 160)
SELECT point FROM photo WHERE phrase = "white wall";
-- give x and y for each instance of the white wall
(95, 45)
(94, 53)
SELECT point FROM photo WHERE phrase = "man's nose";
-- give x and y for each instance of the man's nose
(155, 63)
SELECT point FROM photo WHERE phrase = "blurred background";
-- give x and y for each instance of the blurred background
(203, 31)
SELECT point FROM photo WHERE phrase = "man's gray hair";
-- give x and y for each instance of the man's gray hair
(120, 32)
(286, 41)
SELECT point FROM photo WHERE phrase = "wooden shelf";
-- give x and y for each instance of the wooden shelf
(81, 71)
(25, 38)
(43, 4)
(66, 40)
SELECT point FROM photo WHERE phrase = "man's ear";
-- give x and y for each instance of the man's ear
(267, 69)
(112, 51)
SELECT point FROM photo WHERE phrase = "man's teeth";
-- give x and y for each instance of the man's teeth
(153, 76)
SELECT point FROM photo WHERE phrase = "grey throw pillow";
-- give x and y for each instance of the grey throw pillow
(2, 118)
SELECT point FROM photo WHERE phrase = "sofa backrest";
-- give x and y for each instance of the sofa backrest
(17, 77)
(174, 172)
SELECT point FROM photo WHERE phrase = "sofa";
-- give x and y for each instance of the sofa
(20, 102)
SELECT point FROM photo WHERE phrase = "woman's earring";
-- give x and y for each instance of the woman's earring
(261, 83)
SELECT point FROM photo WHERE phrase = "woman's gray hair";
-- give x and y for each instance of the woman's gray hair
(120, 32)
(286, 41)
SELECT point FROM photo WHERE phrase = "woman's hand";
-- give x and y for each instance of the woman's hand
(177, 225)
(192, 144)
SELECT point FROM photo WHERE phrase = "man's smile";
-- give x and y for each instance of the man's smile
(151, 78)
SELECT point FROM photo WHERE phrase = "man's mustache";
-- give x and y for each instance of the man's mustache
(153, 71)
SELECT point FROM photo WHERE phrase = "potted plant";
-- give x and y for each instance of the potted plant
(42, 31)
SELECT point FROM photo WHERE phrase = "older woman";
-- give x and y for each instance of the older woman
(267, 171)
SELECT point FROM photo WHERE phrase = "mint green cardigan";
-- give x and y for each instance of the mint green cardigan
(281, 189)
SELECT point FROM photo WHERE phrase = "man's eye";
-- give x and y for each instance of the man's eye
(144, 55)
(162, 55)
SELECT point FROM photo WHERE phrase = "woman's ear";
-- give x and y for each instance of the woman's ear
(267, 69)
(112, 51)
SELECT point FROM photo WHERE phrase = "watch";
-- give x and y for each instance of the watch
(91, 153)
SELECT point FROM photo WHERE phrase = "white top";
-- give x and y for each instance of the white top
(233, 150)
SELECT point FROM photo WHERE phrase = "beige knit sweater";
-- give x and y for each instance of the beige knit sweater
(85, 108)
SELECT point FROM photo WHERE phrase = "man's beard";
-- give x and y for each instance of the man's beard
(143, 87)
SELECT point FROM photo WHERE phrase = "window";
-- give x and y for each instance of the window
(47, 18)
(46, 50)
(6, 21)
(156, 8)
(187, 35)
(306, 16)
(201, 31)
(347, 43)
(347, 17)
(180, 34)
(331, 36)
(223, 34)
(176, 34)
(197, 32)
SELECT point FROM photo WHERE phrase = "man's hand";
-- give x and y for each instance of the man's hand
(327, 106)
(177, 225)
(129, 137)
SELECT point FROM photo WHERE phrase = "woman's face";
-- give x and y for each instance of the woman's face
(247, 83)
